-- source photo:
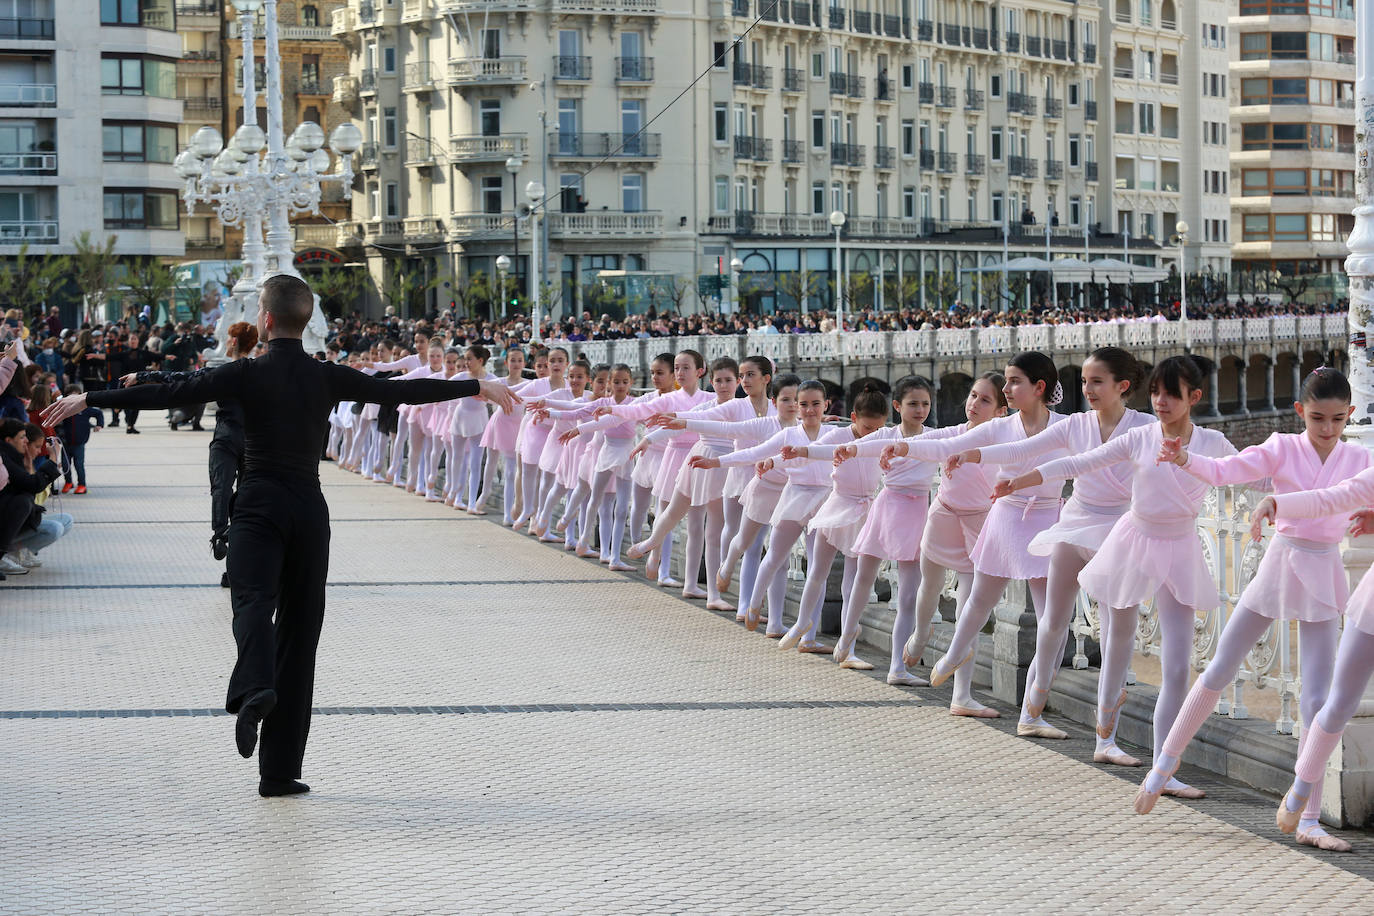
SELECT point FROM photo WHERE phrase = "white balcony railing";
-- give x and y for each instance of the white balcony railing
(475, 149)
(27, 163)
(13, 232)
(593, 225)
(486, 70)
(27, 95)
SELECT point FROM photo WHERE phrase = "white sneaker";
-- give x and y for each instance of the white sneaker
(11, 567)
(28, 558)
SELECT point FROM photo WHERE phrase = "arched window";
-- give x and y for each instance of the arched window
(310, 16)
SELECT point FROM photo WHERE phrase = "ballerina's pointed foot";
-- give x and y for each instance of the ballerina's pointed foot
(1039, 728)
(1116, 756)
(973, 710)
(1035, 700)
(814, 648)
(1316, 836)
(1145, 796)
(1108, 719)
(562, 525)
(939, 674)
(1175, 789)
(636, 551)
(906, 679)
(617, 566)
(719, 605)
(751, 619)
(854, 663)
(1289, 814)
(790, 640)
(722, 584)
(694, 594)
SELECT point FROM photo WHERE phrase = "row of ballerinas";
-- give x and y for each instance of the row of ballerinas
(752, 475)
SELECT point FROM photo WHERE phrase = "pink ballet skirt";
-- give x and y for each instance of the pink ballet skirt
(1298, 580)
(1080, 524)
(646, 468)
(951, 535)
(1003, 545)
(1359, 613)
(702, 484)
(840, 519)
(568, 463)
(760, 498)
(552, 453)
(737, 481)
(674, 457)
(468, 417)
(501, 431)
(615, 456)
(798, 503)
(1139, 558)
(532, 447)
(894, 525)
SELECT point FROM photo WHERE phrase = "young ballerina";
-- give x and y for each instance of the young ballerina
(536, 433)
(688, 368)
(411, 366)
(698, 493)
(836, 525)
(440, 441)
(1110, 376)
(1354, 658)
(806, 488)
(467, 423)
(540, 358)
(893, 528)
(552, 489)
(576, 472)
(1301, 577)
(416, 422)
(1153, 550)
(1001, 553)
(498, 438)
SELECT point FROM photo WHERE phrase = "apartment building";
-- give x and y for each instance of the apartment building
(200, 86)
(944, 130)
(81, 155)
(1292, 144)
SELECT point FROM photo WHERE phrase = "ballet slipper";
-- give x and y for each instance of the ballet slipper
(913, 650)
(666, 581)
(480, 510)
(814, 648)
(775, 634)
(562, 525)
(1115, 755)
(1308, 836)
(1288, 820)
(938, 677)
(568, 547)
(550, 538)
(722, 584)
(617, 566)
(719, 605)
(1144, 798)
(693, 594)
(751, 619)
(844, 646)
(434, 499)
(982, 712)
(1036, 707)
(854, 663)
(1105, 731)
(636, 551)
(1033, 730)
(906, 679)
(790, 640)
(1190, 793)
(587, 552)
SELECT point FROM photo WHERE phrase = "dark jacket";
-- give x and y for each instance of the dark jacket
(228, 411)
(77, 430)
(23, 486)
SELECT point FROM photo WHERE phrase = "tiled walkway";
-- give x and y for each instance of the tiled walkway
(506, 728)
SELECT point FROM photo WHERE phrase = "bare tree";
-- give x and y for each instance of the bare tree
(150, 283)
(25, 280)
(92, 267)
(801, 286)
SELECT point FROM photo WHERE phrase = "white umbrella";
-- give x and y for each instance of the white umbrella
(1114, 270)
(1017, 265)
(1071, 270)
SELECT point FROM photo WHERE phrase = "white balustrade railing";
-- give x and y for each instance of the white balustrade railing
(1229, 330)
(995, 340)
(1033, 337)
(1071, 336)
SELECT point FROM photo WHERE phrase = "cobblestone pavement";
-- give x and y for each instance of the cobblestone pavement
(506, 728)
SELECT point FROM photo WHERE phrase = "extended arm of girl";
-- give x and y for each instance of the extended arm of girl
(1254, 463)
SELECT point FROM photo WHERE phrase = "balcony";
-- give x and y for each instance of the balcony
(346, 90)
(28, 95)
(304, 33)
(571, 68)
(837, 17)
(853, 86)
(949, 34)
(1054, 169)
(210, 243)
(1033, 45)
(884, 157)
(927, 160)
(486, 71)
(605, 224)
(1021, 167)
(1123, 71)
(1059, 49)
(925, 30)
(422, 229)
(199, 63)
(367, 81)
(1090, 171)
(28, 163)
(973, 100)
(755, 76)
(634, 69)
(1054, 108)
(861, 21)
(1090, 110)
(368, 155)
(15, 232)
(418, 77)
(1022, 103)
(311, 86)
(926, 93)
(975, 165)
(630, 7)
(892, 26)
(28, 28)
(886, 92)
(420, 153)
(847, 154)
(739, 8)
(343, 23)
(1090, 54)
(487, 149)
(793, 79)
(1169, 79)
(208, 105)
(198, 7)
(946, 97)
(1013, 42)
(793, 151)
(948, 163)
(801, 13)
(768, 10)
(980, 39)
(605, 145)
(417, 12)
(753, 148)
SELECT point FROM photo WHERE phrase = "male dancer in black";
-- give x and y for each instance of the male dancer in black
(279, 539)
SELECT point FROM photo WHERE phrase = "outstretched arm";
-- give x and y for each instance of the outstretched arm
(1347, 496)
(1254, 463)
(211, 385)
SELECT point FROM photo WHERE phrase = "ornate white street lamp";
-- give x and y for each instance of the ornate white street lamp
(535, 192)
(1181, 236)
(502, 266)
(837, 219)
(261, 174)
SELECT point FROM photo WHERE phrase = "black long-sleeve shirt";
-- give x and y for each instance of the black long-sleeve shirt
(286, 397)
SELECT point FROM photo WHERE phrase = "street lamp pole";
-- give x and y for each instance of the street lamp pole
(837, 219)
(513, 165)
(736, 265)
(535, 192)
(1359, 266)
(1181, 233)
(502, 265)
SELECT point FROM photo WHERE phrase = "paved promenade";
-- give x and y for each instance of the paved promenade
(504, 728)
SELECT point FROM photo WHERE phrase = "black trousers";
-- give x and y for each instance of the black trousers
(278, 560)
(224, 474)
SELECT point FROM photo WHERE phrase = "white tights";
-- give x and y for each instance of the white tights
(927, 603)
(774, 566)
(908, 587)
(529, 491)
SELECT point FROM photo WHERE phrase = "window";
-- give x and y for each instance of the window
(818, 65)
(972, 205)
(393, 199)
(1073, 95)
(721, 200)
(995, 86)
(908, 76)
(133, 141)
(909, 202)
(720, 126)
(817, 197)
(818, 130)
(718, 49)
(632, 193)
(132, 208)
(491, 43)
(374, 199)
(998, 207)
(1296, 182)
(389, 127)
(490, 117)
(134, 75)
(1075, 211)
(908, 138)
(491, 193)
(1075, 159)
(388, 59)
(310, 16)
(995, 145)
(148, 14)
(1147, 117)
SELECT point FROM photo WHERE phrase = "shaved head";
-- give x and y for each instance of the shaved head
(290, 303)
